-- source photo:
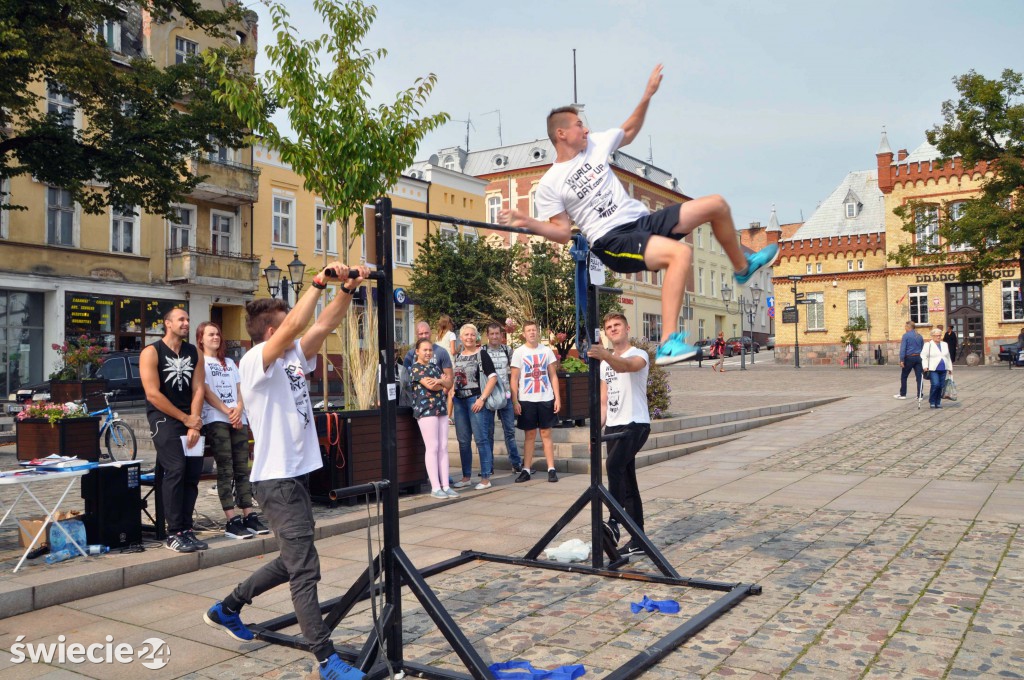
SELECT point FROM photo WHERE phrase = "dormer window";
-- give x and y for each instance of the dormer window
(449, 163)
(500, 161)
(537, 154)
(641, 170)
(851, 209)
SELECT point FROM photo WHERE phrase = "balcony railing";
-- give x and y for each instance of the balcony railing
(201, 267)
(227, 182)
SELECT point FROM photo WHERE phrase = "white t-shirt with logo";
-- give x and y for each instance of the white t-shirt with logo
(222, 381)
(534, 381)
(587, 189)
(280, 414)
(627, 392)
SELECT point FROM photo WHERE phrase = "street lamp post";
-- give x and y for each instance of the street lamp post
(796, 327)
(277, 282)
(755, 300)
(273, 276)
(727, 298)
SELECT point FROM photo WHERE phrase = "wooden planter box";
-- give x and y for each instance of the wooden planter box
(351, 452)
(574, 394)
(36, 438)
(62, 391)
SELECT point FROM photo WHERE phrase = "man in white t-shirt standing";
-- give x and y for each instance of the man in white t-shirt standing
(535, 399)
(624, 409)
(276, 397)
(581, 187)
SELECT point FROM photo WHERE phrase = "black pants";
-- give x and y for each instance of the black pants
(621, 465)
(286, 506)
(180, 485)
(910, 364)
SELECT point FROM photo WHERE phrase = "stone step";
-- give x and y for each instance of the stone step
(648, 456)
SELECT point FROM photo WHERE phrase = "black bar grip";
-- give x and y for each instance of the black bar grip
(352, 274)
(358, 490)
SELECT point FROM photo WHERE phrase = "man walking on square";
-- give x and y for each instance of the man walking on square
(173, 378)
(276, 397)
(624, 409)
(535, 397)
(581, 188)
(910, 359)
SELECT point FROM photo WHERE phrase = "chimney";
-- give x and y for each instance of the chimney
(902, 153)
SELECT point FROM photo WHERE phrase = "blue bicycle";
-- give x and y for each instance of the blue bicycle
(116, 434)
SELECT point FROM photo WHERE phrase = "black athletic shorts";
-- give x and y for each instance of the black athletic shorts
(622, 248)
(537, 415)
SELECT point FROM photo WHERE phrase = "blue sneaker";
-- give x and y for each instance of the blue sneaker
(756, 261)
(674, 350)
(336, 669)
(231, 624)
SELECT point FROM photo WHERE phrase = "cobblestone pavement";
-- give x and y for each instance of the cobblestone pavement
(887, 541)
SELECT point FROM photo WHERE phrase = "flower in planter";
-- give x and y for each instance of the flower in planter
(574, 365)
(76, 355)
(52, 412)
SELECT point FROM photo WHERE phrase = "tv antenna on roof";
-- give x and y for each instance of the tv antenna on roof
(469, 124)
(497, 111)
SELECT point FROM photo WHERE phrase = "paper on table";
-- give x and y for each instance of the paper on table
(196, 450)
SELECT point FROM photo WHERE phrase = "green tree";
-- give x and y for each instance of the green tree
(985, 125)
(142, 122)
(457, 276)
(348, 152)
(550, 281)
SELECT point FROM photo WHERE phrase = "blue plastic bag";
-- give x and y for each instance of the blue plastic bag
(524, 670)
(58, 541)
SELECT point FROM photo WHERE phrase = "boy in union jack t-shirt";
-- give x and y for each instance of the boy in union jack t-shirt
(534, 386)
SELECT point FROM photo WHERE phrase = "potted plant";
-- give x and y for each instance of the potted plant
(43, 428)
(574, 390)
(70, 379)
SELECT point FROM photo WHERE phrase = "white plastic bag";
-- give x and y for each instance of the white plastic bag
(573, 550)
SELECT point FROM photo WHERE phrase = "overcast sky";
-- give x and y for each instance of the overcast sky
(769, 102)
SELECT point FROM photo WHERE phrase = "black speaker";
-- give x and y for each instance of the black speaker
(113, 505)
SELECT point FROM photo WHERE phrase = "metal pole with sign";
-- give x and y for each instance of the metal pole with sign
(796, 325)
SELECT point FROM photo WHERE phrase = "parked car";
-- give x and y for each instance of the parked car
(119, 369)
(733, 345)
(770, 344)
(1011, 352)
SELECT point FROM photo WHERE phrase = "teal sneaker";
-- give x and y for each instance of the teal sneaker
(756, 261)
(674, 350)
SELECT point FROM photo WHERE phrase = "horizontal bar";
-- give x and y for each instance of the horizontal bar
(358, 490)
(458, 220)
(353, 274)
(609, 290)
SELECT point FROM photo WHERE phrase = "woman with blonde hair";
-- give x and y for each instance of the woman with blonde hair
(936, 362)
(475, 378)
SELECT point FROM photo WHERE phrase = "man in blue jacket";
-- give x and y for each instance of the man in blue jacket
(910, 359)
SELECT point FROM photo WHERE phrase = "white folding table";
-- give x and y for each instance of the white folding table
(26, 479)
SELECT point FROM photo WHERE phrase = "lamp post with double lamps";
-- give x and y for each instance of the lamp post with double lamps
(276, 281)
(749, 307)
(727, 298)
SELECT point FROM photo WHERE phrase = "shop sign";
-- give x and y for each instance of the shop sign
(939, 278)
(937, 305)
(626, 300)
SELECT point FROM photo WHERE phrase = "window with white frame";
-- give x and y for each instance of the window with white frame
(1013, 306)
(919, 304)
(401, 326)
(60, 217)
(815, 311)
(817, 268)
(856, 306)
(860, 265)
(222, 232)
(652, 327)
(851, 209)
(700, 237)
(955, 211)
(184, 49)
(283, 233)
(681, 327)
(533, 202)
(926, 222)
(700, 329)
(700, 280)
(810, 268)
(403, 243)
(110, 32)
(324, 232)
(61, 104)
(849, 265)
(220, 153)
(183, 227)
(449, 163)
(449, 232)
(711, 284)
(721, 285)
(493, 208)
(124, 231)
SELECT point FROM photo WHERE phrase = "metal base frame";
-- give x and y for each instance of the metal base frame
(399, 571)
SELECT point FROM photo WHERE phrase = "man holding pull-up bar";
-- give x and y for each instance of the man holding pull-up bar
(276, 396)
(580, 187)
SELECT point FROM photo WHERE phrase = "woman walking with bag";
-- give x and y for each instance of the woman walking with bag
(937, 363)
(718, 352)
(429, 409)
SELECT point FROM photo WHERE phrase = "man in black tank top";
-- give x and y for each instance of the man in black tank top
(172, 376)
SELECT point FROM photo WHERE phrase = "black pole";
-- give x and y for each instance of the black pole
(743, 345)
(796, 326)
(388, 423)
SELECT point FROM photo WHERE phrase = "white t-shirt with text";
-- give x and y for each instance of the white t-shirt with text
(280, 414)
(587, 189)
(223, 382)
(627, 392)
(534, 381)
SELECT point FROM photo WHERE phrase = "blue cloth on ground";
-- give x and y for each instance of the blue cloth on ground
(663, 606)
(524, 670)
